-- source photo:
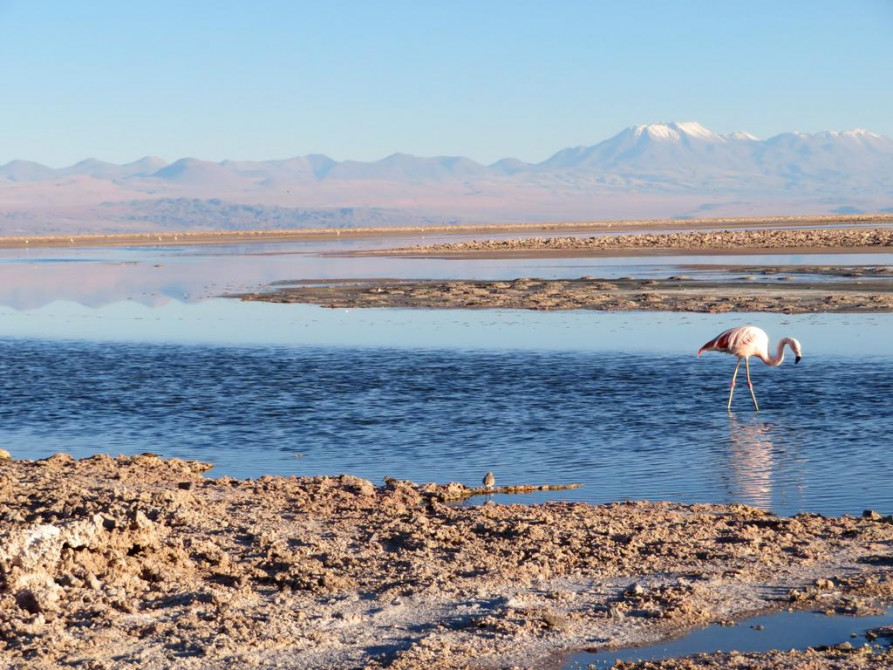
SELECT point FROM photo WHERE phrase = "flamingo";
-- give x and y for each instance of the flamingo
(747, 341)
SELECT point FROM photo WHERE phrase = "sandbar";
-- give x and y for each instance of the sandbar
(743, 289)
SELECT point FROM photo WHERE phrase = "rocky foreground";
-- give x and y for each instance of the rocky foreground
(144, 562)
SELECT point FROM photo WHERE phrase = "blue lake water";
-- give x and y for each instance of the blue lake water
(121, 350)
(616, 401)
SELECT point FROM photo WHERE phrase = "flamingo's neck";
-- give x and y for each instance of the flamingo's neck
(776, 360)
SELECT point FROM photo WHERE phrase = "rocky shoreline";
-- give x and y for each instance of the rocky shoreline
(190, 237)
(145, 562)
(810, 240)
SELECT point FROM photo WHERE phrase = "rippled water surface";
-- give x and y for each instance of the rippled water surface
(617, 402)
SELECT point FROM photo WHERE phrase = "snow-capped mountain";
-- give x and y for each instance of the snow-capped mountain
(689, 147)
(651, 148)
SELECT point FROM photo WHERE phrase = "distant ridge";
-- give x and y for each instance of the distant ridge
(668, 169)
(656, 146)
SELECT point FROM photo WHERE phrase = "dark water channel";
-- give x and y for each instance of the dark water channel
(783, 631)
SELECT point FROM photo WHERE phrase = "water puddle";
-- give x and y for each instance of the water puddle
(782, 631)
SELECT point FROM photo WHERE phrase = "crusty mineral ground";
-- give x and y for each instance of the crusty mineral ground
(144, 562)
(677, 293)
(763, 240)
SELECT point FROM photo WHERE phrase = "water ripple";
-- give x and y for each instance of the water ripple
(626, 425)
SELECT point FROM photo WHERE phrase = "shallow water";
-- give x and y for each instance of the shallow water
(616, 401)
(31, 278)
(783, 630)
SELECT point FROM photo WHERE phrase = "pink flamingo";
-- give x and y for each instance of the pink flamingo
(747, 341)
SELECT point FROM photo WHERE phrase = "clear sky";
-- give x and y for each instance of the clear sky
(487, 79)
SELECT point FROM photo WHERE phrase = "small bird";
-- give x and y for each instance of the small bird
(489, 480)
(747, 341)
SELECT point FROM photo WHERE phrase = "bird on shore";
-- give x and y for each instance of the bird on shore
(489, 480)
(747, 341)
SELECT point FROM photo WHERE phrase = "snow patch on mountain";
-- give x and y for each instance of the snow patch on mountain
(675, 132)
(741, 136)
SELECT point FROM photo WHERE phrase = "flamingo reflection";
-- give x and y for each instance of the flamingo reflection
(752, 462)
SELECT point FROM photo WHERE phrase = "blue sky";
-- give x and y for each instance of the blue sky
(485, 79)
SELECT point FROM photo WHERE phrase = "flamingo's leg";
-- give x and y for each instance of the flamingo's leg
(732, 385)
(750, 384)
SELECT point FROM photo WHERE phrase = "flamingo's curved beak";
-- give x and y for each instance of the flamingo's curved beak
(797, 359)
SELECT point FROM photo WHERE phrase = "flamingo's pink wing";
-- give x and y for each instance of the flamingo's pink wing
(728, 340)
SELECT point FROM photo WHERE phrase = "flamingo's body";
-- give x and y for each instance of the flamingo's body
(747, 341)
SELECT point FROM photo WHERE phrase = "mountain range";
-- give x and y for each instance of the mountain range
(657, 170)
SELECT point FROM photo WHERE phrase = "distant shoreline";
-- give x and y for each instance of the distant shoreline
(801, 240)
(187, 238)
(855, 289)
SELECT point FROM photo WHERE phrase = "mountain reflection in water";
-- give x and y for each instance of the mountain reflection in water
(154, 276)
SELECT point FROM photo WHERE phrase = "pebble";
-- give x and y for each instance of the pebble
(635, 590)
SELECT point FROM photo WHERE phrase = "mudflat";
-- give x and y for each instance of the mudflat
(677, 293)
(141, 561)
(745, 288)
